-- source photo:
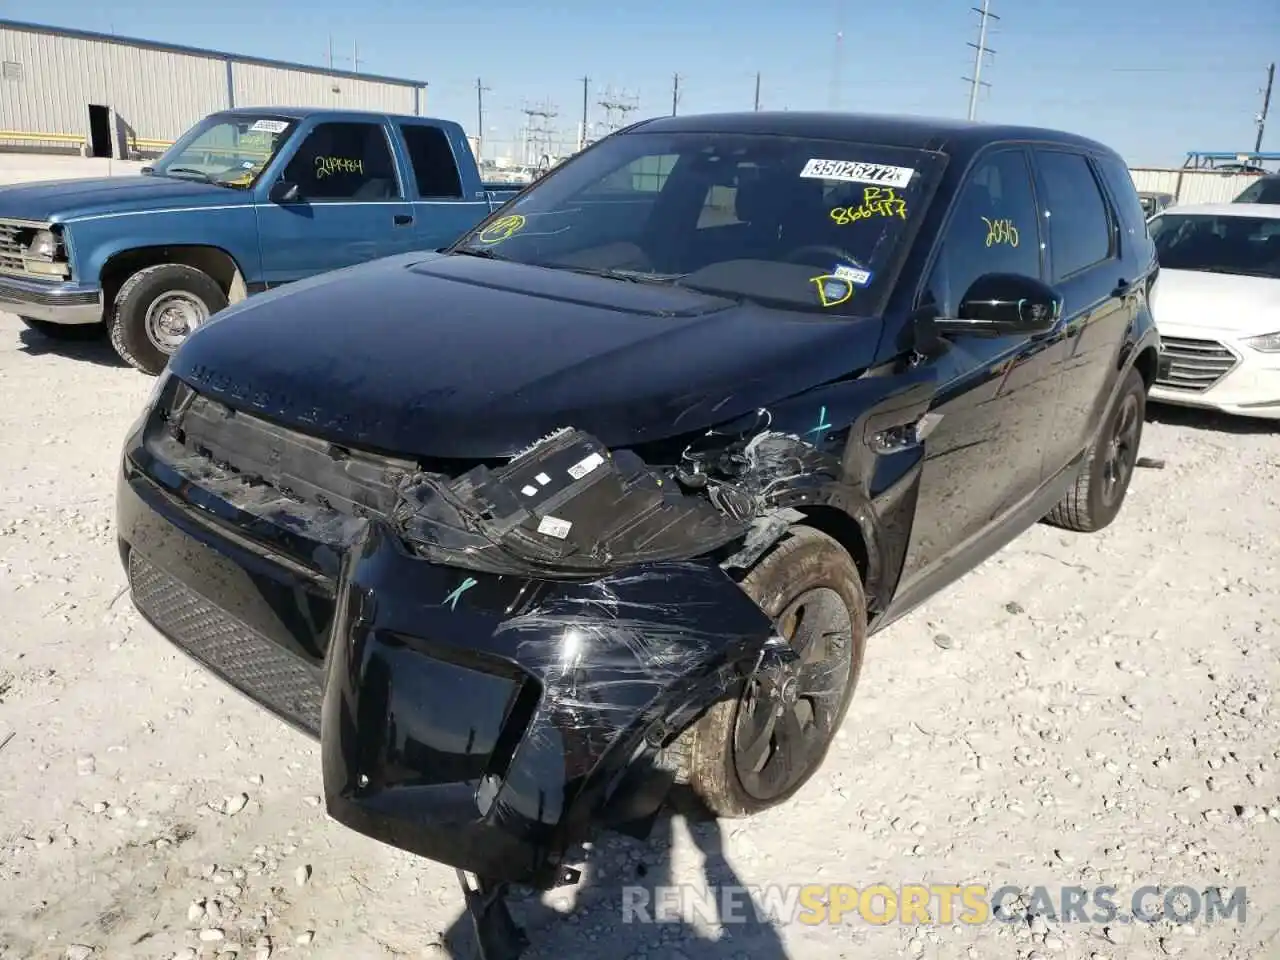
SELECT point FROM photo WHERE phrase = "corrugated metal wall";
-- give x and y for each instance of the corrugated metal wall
(159, 94)
(258, 85)
(1193, 186)
(49, 80)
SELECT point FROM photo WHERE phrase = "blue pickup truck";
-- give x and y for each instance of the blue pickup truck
(244, 201)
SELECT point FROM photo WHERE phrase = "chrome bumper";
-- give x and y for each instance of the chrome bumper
(51, 302)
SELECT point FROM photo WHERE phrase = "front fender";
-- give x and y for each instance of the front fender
(93, 241)
(482, 722)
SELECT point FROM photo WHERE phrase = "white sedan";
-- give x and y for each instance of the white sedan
(1216, 303)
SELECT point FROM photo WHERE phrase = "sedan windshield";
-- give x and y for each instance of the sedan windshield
(801, 223)
(1249, 246)
(227, 150)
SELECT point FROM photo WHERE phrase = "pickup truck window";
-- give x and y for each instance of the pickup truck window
(805, 223)
(993, 228)
(349, 161)
(434, 168)
(228, 150)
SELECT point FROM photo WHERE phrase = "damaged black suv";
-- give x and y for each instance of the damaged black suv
(608, 495)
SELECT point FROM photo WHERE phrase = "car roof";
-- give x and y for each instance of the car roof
(1268, 211)
(301, 113)
(946, 135)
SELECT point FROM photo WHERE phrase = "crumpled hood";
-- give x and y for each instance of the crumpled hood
(457, 356)
(1246, 306)
(65, 200)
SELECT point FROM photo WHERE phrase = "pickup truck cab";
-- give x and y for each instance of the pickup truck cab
(611, 494)
(245, 201)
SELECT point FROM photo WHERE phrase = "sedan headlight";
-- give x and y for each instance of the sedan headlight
(1267, 343)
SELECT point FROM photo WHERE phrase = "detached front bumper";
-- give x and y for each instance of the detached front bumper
(67, 303)
(485, 721)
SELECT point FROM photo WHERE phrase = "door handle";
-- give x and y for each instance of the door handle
(1123, 289)
(403, 219)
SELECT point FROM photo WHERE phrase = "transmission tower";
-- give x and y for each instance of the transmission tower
(617, 107)
(539, 136)
(980, 49)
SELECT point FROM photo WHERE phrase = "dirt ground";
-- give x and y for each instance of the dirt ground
(1082, 710)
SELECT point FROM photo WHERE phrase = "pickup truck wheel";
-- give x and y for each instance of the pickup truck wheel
(157, 309)
(64, 331)
(1100, 489)
(754, 751)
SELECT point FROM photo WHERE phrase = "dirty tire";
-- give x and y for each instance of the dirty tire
(65, 331)
(1091, 504)
(128, 321)
(704, 755)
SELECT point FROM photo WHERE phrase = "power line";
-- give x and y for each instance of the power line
(1266, 106)
(979, 49)
(616, 109)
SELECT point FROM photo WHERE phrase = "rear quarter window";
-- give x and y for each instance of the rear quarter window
(1133, 217)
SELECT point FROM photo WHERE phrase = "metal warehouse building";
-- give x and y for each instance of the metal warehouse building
(104, 95)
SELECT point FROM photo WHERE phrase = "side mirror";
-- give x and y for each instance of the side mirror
(1004, 304)
(282, 191)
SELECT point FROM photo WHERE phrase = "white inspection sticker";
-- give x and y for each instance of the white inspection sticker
(585, 466)
(529, 490)
(855, 171)
(269, 126)
(554, 527)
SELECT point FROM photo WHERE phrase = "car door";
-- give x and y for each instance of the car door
(350, 207)
(1099, 301)
(994, 407)
(441, 211)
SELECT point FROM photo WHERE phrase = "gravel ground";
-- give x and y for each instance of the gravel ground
(1082, 710)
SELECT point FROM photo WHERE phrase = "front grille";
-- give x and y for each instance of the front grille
(1196, 365)
(10, 248)
(264, 671)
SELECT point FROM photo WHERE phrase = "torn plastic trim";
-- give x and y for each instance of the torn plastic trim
(567, 507)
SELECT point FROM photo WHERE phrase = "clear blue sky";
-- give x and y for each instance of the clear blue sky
(1153, 78)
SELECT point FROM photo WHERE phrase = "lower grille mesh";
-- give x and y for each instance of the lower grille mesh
(262, 670)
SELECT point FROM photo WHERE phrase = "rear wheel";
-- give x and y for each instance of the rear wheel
(1100, 489)
(157, 309)
(755, 751)
(65, 331)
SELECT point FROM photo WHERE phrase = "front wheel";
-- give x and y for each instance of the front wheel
(753, 752)
(1100, 489)
(157, 309)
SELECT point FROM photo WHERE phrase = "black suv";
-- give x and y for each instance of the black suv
(608, 496)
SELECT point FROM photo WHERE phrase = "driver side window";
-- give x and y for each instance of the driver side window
(345, 161)
(993, 228)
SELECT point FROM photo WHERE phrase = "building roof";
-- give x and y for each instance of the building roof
(201, 52)
(922, 133)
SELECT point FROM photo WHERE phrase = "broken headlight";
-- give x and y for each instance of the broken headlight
(565, 507)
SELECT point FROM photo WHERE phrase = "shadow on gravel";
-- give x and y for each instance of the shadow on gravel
(596, 926)
(1198, 419)
(95, 348)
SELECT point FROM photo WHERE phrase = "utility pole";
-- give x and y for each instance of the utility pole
(355, 57)
(331, 53)
(675, 93)
(1266, 106)
(757, 90)
(979, 49)
(582, 135)
(481, 89)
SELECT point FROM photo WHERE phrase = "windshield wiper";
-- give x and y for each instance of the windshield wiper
(486, 254)
(199, 173)
(631, 276)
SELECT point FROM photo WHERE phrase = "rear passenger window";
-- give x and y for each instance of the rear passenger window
(431, 157)
(993, 229)
(1079, 225)
(1120, 182)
